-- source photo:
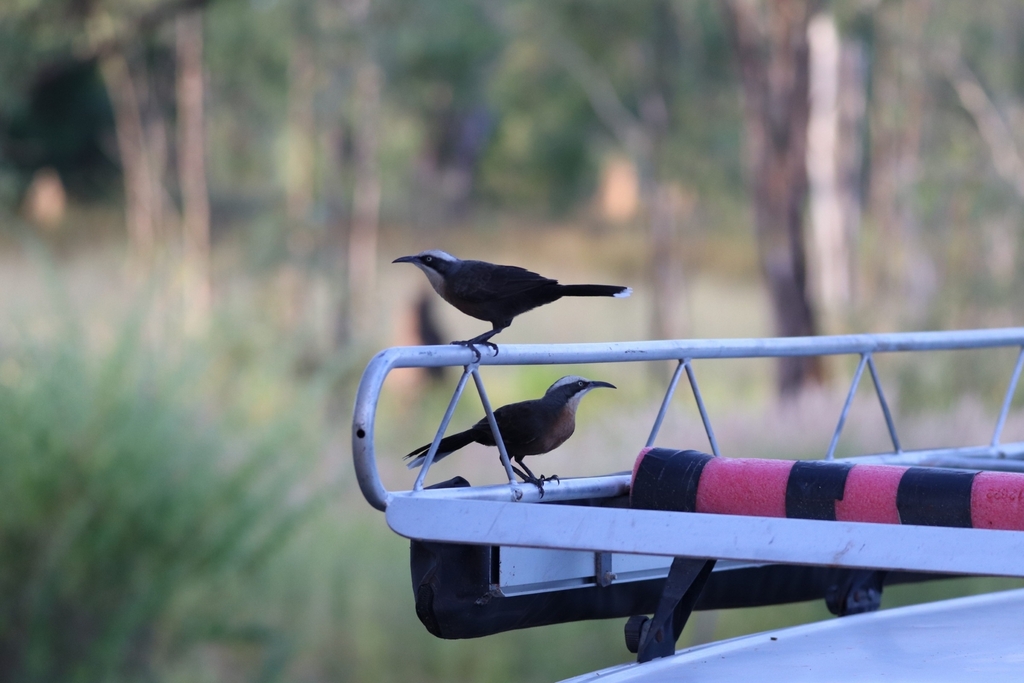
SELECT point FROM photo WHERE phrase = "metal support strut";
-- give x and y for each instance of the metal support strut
(654, 637)
(860, 591)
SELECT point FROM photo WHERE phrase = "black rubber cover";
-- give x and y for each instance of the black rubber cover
(813, 488)
(668, 479)
(935, 497)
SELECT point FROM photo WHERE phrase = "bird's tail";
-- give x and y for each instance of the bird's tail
(595, 290)
(448, 445)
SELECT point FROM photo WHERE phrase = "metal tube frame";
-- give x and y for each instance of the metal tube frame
(684, 352)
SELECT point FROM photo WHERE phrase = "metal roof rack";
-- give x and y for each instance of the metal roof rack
(508, 516)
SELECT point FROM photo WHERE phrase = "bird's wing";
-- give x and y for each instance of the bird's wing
(480, 282)
(520, 425)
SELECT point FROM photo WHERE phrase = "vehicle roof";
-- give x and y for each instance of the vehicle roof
(950, 640)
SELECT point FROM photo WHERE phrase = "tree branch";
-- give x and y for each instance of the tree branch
(145, 23)
(996, 134)
(620, 121)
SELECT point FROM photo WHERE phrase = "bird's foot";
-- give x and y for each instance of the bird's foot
(472, 344)
(539, 483)
(550, 477)
(531, 479)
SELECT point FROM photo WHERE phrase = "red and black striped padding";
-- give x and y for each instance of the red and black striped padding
(691, 481)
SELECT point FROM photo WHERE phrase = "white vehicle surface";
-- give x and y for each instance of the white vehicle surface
(979, 638)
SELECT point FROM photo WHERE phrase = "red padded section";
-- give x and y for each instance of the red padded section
(996, 501)
(744, 486)
(870, 495)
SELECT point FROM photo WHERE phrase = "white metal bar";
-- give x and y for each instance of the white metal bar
(731, 537)
(885, 405)
(643, 351)
(1008, 400)
(846, 407)
(445, 421)
(523, 571)
(701, 408)
(669, 393)
(556, 490)
(1008, 457)
(498, 441)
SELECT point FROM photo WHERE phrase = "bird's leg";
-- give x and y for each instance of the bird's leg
(522, 475)
(541, 478)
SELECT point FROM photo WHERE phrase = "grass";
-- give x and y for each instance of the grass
(124, 490)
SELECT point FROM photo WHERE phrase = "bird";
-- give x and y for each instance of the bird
(529, 427)
(495, 293)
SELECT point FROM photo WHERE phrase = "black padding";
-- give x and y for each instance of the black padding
(935, 497)
(453, 596)
(813, 488)
(667, 479)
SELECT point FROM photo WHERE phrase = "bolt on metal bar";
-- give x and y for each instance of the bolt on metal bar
(700, 406)
(432, 451)
(885, 405)
(494, 425)
(664, 405)
(846, 407)
(1008, 399)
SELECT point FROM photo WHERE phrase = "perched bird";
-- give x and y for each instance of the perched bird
(495, 293)
(527, 428)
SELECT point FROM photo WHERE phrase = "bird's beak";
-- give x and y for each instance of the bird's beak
(596, 384)
(405, 259)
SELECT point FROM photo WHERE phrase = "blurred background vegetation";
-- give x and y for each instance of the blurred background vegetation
(199, 203)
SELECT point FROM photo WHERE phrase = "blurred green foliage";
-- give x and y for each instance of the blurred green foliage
(123, 489)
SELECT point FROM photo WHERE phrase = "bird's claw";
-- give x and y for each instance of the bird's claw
(531, 479)
(539, 483)
(472, 344)
(469, 345)
(541, 480)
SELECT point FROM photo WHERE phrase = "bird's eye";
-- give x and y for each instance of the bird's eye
(428, 259)
(581, 383)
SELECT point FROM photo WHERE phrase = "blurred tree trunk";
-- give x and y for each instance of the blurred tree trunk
(904, 273)
(770, 38)
(362, 245)
(850, 150)
(191, 149)
(991, 124)
(668, 204)
(835, 164)
(136, 165)
(139, 124)
(300, 156)
(828, 268)
(670, 208)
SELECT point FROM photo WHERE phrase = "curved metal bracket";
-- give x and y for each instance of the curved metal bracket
(683, 352)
